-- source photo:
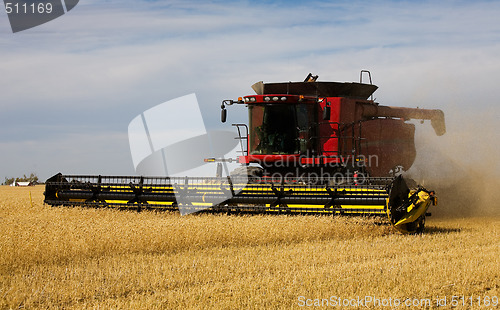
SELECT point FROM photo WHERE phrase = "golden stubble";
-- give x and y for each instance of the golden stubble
(75, 258)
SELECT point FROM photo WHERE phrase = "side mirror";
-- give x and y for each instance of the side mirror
(326, 113)
(223, 115)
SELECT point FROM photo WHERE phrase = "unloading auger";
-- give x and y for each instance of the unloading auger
(299, 141)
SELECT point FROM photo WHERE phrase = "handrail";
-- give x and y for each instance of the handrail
(241, 138)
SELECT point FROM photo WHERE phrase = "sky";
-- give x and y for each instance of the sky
(69, 88)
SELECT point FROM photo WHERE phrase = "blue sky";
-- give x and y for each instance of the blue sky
(70, 87)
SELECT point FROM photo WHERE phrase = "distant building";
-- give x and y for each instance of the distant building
(17, 183)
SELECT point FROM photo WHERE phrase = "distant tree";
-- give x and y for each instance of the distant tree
(31, 178)
(9, 181)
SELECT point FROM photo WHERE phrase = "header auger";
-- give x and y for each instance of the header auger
(310, 147)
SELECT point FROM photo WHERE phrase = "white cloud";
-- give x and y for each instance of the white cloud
(105, 62)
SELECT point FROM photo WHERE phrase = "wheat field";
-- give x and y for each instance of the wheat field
(74, 258)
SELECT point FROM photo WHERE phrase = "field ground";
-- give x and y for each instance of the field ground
(75, 258)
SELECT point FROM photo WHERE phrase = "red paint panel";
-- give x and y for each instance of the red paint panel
(328, 140)
(388, 143)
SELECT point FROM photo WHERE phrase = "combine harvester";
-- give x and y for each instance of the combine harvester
(309, 147)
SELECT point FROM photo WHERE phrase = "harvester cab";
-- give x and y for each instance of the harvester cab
(309, 147)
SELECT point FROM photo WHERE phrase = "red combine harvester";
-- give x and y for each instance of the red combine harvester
(309, 147)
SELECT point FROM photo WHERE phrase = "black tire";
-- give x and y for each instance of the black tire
(247, 171)
(421, 225)
(416, 227)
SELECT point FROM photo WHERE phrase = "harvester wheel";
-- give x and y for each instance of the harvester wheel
(247, 172)
(416, 227)
(421, 225)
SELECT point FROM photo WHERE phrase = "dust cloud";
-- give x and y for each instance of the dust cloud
(461, 166)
